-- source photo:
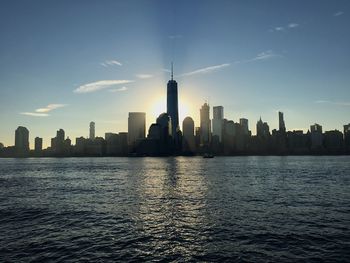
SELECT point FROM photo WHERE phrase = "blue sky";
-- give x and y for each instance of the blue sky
(66, 63)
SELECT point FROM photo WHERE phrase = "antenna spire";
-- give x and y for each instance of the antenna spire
(172, 70)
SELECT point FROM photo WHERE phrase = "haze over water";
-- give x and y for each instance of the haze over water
(175, 209)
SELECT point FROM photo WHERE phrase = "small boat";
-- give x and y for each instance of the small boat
(208, 155)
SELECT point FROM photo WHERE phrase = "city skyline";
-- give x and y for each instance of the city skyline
(289, 57)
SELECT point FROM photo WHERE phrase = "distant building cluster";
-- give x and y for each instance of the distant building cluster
(217, 136)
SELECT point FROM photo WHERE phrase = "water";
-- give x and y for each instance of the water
(175, 209)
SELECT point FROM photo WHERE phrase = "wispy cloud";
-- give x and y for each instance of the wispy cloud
(34, 114)
(118, 90)
(43, 112)
(50, 107)
(144, 76)
(108, 63)
(266, 55)
(284, 28)
(339, 13)
(293, 25)
(207, 69)
(99, 85)
(338, 103)
(175, 36)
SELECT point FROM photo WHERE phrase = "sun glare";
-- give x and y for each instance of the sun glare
(159, 106)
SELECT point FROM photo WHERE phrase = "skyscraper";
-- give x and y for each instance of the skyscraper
(218, 119)
(262, 129)
(188, 141)
(22, 140)
(205, 129)
(316, 136)
(173, 108)
(244, 125)
(282, 126)
(136, 127)
(38, 142)
(92, 131)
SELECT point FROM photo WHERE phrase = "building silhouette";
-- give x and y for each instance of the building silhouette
(218, 122)
(92, 131)
(244, 126)
(316, 137)
(159, 141)
(38, 144)
(22, 140)
(281, 124)
(347, 137)
(173, 109)
(188, 140)
(136, 128)
(205, 125)
(59, 145)
(262, 129)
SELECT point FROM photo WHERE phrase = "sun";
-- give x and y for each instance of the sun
(159, 106)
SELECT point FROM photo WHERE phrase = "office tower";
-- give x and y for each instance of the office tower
(282, 126)
(58, 143)
(218, 118)
(92, 131)
(262, 129)
(205, 124)
(244, 126)
(188, 140)
(38, 142)
(60, 136)
(173, 108)
(22, 140)
(136, 128)
(316, 136)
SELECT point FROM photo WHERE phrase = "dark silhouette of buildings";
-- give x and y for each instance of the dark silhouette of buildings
(136, 129)
(218, 122)
(219, 136)
(38, 144)
(188, 139)
(282, 126)
(205, 125)
(262, 129)
(92, 131)
(316, 138)
(22, 141)
(173, 110)
(59, 145)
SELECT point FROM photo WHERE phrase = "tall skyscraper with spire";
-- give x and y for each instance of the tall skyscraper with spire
(173, 107)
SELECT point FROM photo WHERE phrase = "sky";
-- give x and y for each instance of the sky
(66, 63)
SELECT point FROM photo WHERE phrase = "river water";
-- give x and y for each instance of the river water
(180, 209)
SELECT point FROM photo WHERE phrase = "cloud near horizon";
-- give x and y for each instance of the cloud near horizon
(50, 107)
(338, 103)
(35, 114)
(43, 112)
(99, 85)
(207, 69)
